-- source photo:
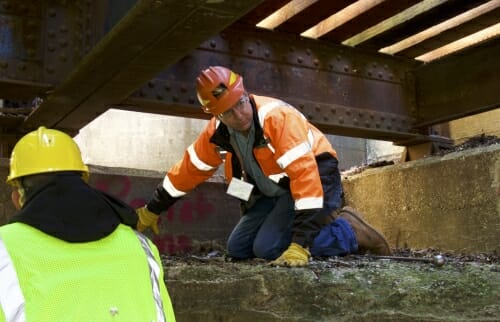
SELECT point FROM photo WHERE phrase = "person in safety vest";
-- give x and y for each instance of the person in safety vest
(282, 168)
(70, 252)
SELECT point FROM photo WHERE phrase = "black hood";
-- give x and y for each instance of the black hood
(69, 209)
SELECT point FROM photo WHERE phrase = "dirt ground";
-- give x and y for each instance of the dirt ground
(215, 253)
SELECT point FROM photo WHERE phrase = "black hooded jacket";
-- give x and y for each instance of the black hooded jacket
(69, 209)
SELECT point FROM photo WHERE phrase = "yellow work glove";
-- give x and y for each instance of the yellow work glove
(147, 219)
(294, 256)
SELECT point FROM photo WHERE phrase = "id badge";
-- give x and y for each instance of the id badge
(239, 189)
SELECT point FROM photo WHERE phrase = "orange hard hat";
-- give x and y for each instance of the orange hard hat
(218, 89)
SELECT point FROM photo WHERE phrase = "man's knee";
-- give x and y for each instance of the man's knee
(238, 250)
(265, 251)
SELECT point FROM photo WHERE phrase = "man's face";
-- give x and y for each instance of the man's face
(240, 116)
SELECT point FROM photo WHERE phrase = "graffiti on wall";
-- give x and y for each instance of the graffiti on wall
(194, 210)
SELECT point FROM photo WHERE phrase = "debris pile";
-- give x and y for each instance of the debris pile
(473, 142)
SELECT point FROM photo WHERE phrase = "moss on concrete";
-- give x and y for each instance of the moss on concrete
(358, 291)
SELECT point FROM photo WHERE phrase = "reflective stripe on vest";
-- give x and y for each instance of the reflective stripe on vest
(12, 299)
(11, 296)
(154, 274)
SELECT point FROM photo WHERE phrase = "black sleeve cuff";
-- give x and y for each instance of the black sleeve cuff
(306, 227)
(161, 200)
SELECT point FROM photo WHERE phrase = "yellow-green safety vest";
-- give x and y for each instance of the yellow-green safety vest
(116, 278)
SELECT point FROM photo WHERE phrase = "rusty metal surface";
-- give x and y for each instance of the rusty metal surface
(114, 69)
(467, 85)
(21, 74)
(41, 43)
(84, 56)
(340, 90)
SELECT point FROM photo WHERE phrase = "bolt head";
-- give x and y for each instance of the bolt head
(439, 260)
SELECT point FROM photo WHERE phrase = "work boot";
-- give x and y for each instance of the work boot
(369, 239)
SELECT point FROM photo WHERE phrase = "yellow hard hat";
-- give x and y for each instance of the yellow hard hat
(43, 151)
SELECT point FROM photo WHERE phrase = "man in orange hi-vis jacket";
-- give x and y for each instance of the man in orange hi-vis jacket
(281, 167)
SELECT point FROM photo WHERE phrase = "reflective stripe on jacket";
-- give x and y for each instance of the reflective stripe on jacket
(117, 278)
(285, 146)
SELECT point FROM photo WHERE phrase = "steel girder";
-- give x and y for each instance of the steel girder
(460, 86)
(41, 41)
(342, 90)
(153, 34)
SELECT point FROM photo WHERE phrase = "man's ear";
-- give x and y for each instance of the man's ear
(17, 198)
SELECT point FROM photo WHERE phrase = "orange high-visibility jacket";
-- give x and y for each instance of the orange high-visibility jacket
(285, 146)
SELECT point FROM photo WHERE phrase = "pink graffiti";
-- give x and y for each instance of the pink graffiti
(186, 213)
(173, 244)
(192, 209)
(124, 185)
(170, 214)
(101, 185)
(137, 202)
(196, 210)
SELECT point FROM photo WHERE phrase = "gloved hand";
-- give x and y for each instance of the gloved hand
(294, 256)
(147, 219)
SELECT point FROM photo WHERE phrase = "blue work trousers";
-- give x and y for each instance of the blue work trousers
(265, 232)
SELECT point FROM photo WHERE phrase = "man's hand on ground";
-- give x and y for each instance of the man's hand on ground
(294, 256)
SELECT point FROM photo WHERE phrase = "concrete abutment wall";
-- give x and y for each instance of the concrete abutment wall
(451, 203)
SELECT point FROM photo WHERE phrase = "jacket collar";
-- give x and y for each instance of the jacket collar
(69, 209)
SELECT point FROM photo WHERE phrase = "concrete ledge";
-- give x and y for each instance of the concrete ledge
(357, 291)
(451, 203)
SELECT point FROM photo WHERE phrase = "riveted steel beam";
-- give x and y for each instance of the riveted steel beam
(153, 34)
(341, 90)
(21, 75)
(41, 41)
(459, 86)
